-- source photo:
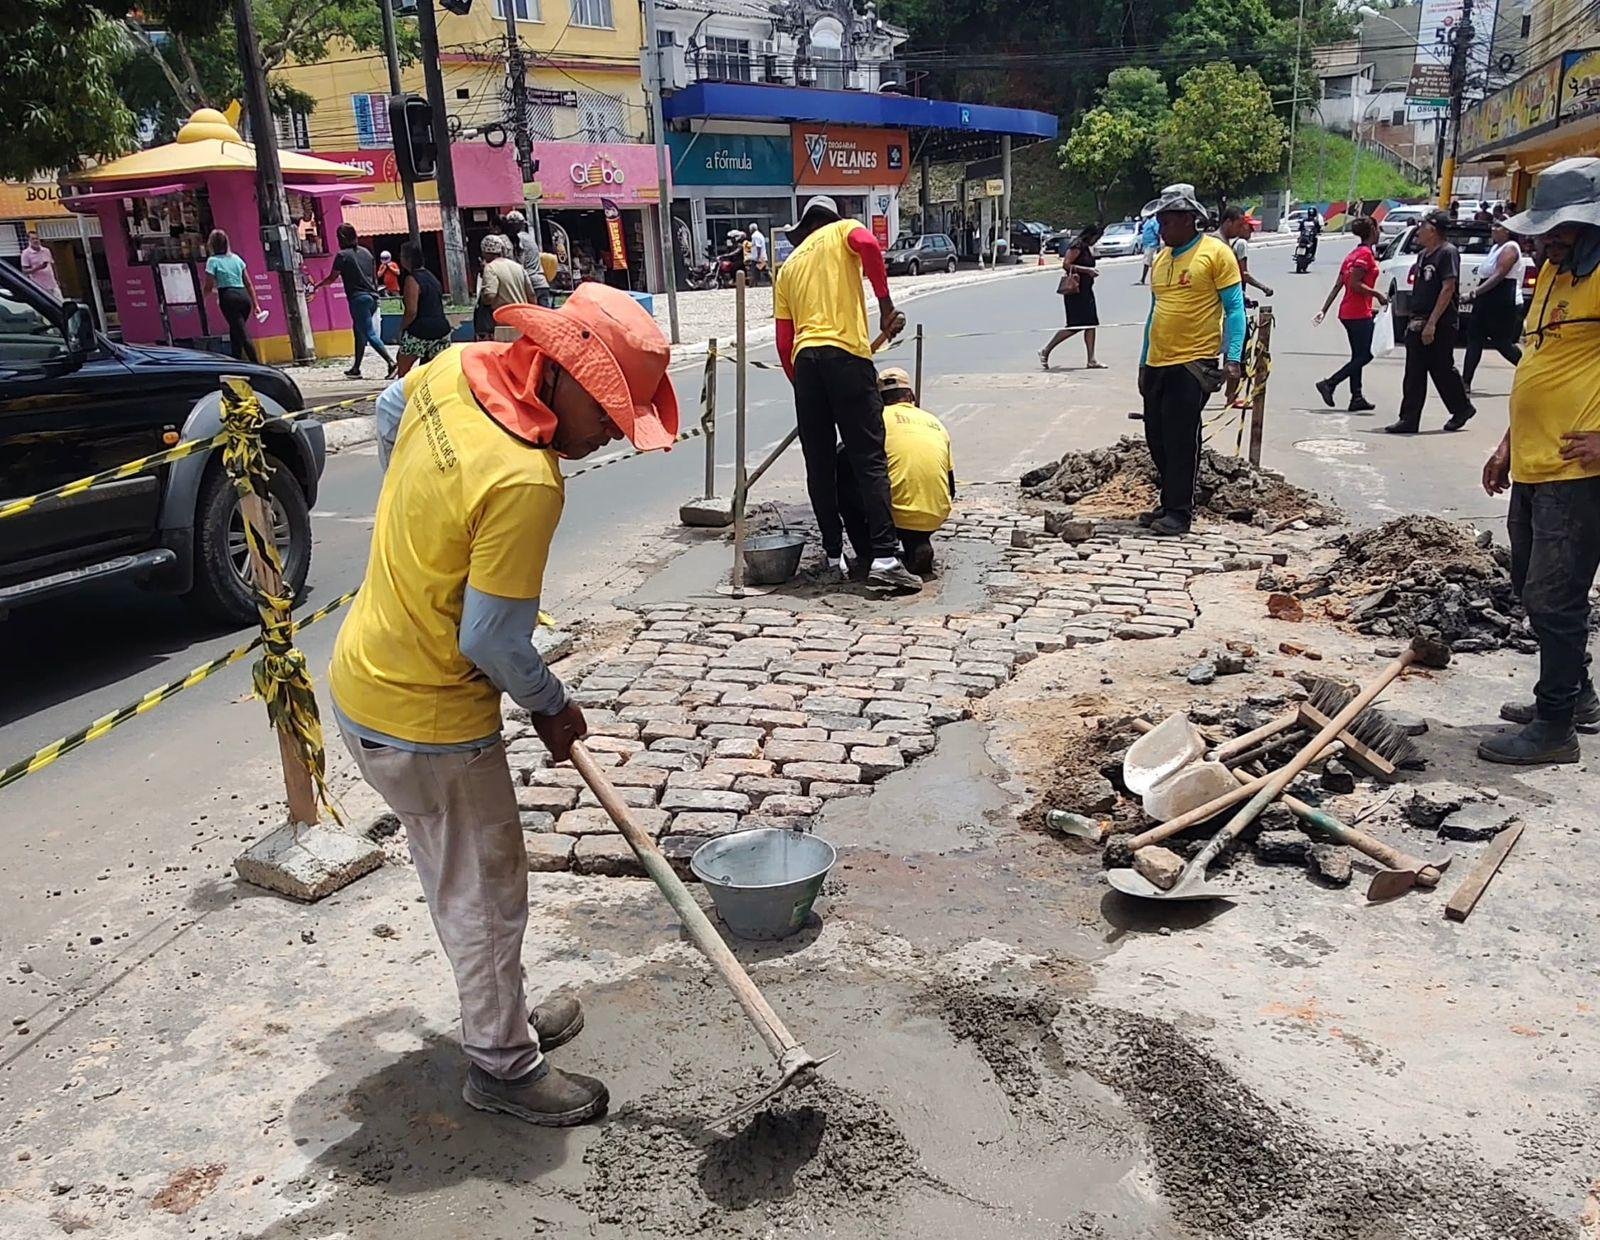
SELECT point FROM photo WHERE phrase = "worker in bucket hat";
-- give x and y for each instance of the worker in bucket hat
(1550, 460)
(922, 480)
(472, 444)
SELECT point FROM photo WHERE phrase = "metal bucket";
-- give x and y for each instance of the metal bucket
(772, 559)
(765, 880)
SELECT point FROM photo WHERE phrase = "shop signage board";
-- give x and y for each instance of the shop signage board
(847, 155)
(729, 159)
(1430, 74)
(30, 200)
(1526, 106)
(1580, 83)
(581, 174)
(486, 176)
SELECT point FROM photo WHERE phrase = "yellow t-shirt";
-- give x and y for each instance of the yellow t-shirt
(918, 447)
(1187, 321)
(1556, 387)
(463, 502)
(819, 289)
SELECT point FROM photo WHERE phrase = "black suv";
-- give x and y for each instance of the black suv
(73, 403)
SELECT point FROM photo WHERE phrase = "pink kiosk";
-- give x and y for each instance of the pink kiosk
(157, 207)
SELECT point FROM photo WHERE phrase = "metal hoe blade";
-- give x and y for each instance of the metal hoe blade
(1190, 887)
(797, 1065)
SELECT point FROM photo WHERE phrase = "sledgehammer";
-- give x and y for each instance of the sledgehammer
(794, 1061)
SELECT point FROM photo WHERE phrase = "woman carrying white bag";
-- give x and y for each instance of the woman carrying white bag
(1358, 277)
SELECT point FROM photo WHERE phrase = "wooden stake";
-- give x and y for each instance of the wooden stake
(1263, 369)
(740, 375)
(1466, 896)
(297, 785)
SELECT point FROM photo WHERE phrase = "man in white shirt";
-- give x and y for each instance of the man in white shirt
(39, 265)
(758, 254)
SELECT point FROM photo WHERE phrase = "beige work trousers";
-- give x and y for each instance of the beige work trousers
(460, 815)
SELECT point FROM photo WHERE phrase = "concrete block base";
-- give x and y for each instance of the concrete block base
(307, 863)
(713, 512)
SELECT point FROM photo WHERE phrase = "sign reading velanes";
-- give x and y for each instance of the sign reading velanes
(849, 155)
(729, 159)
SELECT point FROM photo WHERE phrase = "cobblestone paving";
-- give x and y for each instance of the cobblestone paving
(716, 718)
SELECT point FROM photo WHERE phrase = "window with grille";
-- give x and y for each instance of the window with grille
(725, 60)
(601, 118)
(372, 120)
(592, 13)
(526, 10)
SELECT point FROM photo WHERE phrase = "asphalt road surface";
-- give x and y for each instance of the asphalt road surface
(67, 663)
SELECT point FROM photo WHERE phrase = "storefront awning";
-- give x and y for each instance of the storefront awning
(759, 102)
(79, 202)
(377, 219)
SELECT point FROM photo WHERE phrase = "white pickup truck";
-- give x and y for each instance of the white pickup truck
(1397, 258)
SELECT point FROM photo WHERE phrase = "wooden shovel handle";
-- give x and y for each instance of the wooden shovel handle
(778, 1039)
(1249, 740)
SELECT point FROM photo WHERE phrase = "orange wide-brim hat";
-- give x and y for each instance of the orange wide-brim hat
(604, 339)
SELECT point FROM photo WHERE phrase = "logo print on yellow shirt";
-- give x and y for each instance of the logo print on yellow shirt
(1183, 278)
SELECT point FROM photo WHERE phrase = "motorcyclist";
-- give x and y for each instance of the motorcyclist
(1310, 230)
(731, 260)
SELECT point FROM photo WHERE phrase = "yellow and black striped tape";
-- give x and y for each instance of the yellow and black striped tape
(94, 731)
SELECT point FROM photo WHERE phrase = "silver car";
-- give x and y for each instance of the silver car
(1118, 241)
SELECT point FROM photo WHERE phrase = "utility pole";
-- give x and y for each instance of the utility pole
(455, 246)
(1294, 106)
(282, 254)
(652, 53)
(391, 52)
(1460, 57)
(517, 74)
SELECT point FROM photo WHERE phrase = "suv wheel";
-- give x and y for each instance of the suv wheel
(950, 264)
(222, 584)
(913, 267)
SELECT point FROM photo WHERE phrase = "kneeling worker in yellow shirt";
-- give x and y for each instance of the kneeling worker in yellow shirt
(472, 493)
(922, 480)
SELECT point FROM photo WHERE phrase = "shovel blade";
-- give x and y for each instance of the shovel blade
(1132, 883)
(1387, 884)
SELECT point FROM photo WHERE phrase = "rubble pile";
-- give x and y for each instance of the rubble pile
(1120, 480)
(1417, 574)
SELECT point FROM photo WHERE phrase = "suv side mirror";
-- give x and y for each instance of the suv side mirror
(78, 327)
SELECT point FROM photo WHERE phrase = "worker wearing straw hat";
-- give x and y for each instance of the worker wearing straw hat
(471, 497)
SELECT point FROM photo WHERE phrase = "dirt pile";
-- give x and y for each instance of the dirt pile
(1231, 1164)
(1417, 574)
(819, 1152)
(1120, 481)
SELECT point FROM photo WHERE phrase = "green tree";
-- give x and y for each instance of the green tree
(1242, 32)
(1138, 92)
(1100, 149)
(1222, 130)
(56, 117)
(174, 72)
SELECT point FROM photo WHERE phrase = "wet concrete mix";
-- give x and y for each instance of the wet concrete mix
(818, 1153)
(1231, 1165)
(1120, 480)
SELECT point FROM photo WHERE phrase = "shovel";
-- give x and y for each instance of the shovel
(1192, 884)
(794, 1061)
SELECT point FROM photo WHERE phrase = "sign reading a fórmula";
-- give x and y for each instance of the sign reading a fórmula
(844, 155)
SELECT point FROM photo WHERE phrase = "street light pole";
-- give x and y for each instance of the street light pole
(391, 52)
(1460, 51)
(652, 52)
(1294, 104)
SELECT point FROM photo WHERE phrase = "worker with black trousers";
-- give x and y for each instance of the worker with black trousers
(1431, 334)
(826, 351)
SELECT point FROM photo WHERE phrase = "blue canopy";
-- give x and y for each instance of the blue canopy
(758, 102)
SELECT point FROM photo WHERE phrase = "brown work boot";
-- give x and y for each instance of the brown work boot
(557, 1021)
(547, 1096)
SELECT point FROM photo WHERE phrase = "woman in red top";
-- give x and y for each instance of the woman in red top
(1358, 277)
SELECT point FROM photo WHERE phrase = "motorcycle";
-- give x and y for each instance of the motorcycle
(703, 275)
(1304, 251)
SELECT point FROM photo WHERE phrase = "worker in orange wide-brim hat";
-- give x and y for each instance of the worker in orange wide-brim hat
(471, 445)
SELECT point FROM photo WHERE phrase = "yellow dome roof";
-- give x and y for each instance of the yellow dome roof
(208, 123)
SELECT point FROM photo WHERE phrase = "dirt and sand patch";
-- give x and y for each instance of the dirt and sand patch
(1120, 481)
(1415, 574)
(819, 1153)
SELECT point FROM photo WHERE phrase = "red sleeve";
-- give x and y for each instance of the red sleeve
(866, 245)
(786, 346)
